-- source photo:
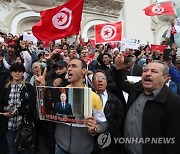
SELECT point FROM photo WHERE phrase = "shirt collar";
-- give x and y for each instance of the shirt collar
(154, 93)
(102, 93)
(105, 92)
(17, 84)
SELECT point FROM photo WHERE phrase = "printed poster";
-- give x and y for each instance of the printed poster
(63, 104)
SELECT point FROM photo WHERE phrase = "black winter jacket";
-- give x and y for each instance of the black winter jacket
(28, 103)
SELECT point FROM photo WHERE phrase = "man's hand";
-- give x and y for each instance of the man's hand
(169, 62)
(55, 51)
(119, 61)
(92, 125)
(40, 80)
(57, 82)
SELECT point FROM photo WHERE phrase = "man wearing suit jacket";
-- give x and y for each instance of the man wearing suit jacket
(63, 107)
(113, 111)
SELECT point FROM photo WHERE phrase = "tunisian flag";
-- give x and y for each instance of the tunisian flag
(92, 41)
(158, 47)
(160, 9)
(59, 22)
(89, 59)
(108, 32)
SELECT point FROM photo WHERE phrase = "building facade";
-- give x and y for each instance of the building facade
(18, 16)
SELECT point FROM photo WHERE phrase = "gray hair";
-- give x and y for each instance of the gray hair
(165, 69)
(36, 63)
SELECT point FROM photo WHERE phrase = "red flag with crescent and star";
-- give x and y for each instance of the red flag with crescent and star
(160, 9)
(108, 32)
(59, 22)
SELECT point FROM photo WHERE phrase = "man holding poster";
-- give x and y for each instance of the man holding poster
(66, 135)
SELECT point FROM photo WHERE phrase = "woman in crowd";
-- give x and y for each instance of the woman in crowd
(17, 100)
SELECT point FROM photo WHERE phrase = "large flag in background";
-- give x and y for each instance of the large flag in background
(59, 22)
(160, 9)
(108, 32)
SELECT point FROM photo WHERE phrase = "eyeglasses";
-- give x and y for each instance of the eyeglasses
(99, 78)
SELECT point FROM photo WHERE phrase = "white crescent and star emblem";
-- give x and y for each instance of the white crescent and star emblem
(108, 32)
(62, 19)
(157, 9)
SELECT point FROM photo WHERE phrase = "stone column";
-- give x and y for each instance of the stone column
(177, 7)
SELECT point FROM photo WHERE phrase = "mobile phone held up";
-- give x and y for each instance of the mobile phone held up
(166, 54)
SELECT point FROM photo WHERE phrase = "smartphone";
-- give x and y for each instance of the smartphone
(166, 54)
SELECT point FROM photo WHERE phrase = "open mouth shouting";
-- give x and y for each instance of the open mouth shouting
(70, 75)
(100, 85)
(147, 80)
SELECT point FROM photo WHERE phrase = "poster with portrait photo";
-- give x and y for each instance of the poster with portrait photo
(64, 104)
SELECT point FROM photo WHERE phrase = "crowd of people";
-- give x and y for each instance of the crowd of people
(151, 111)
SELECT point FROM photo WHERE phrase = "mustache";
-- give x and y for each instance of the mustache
(147, 78)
